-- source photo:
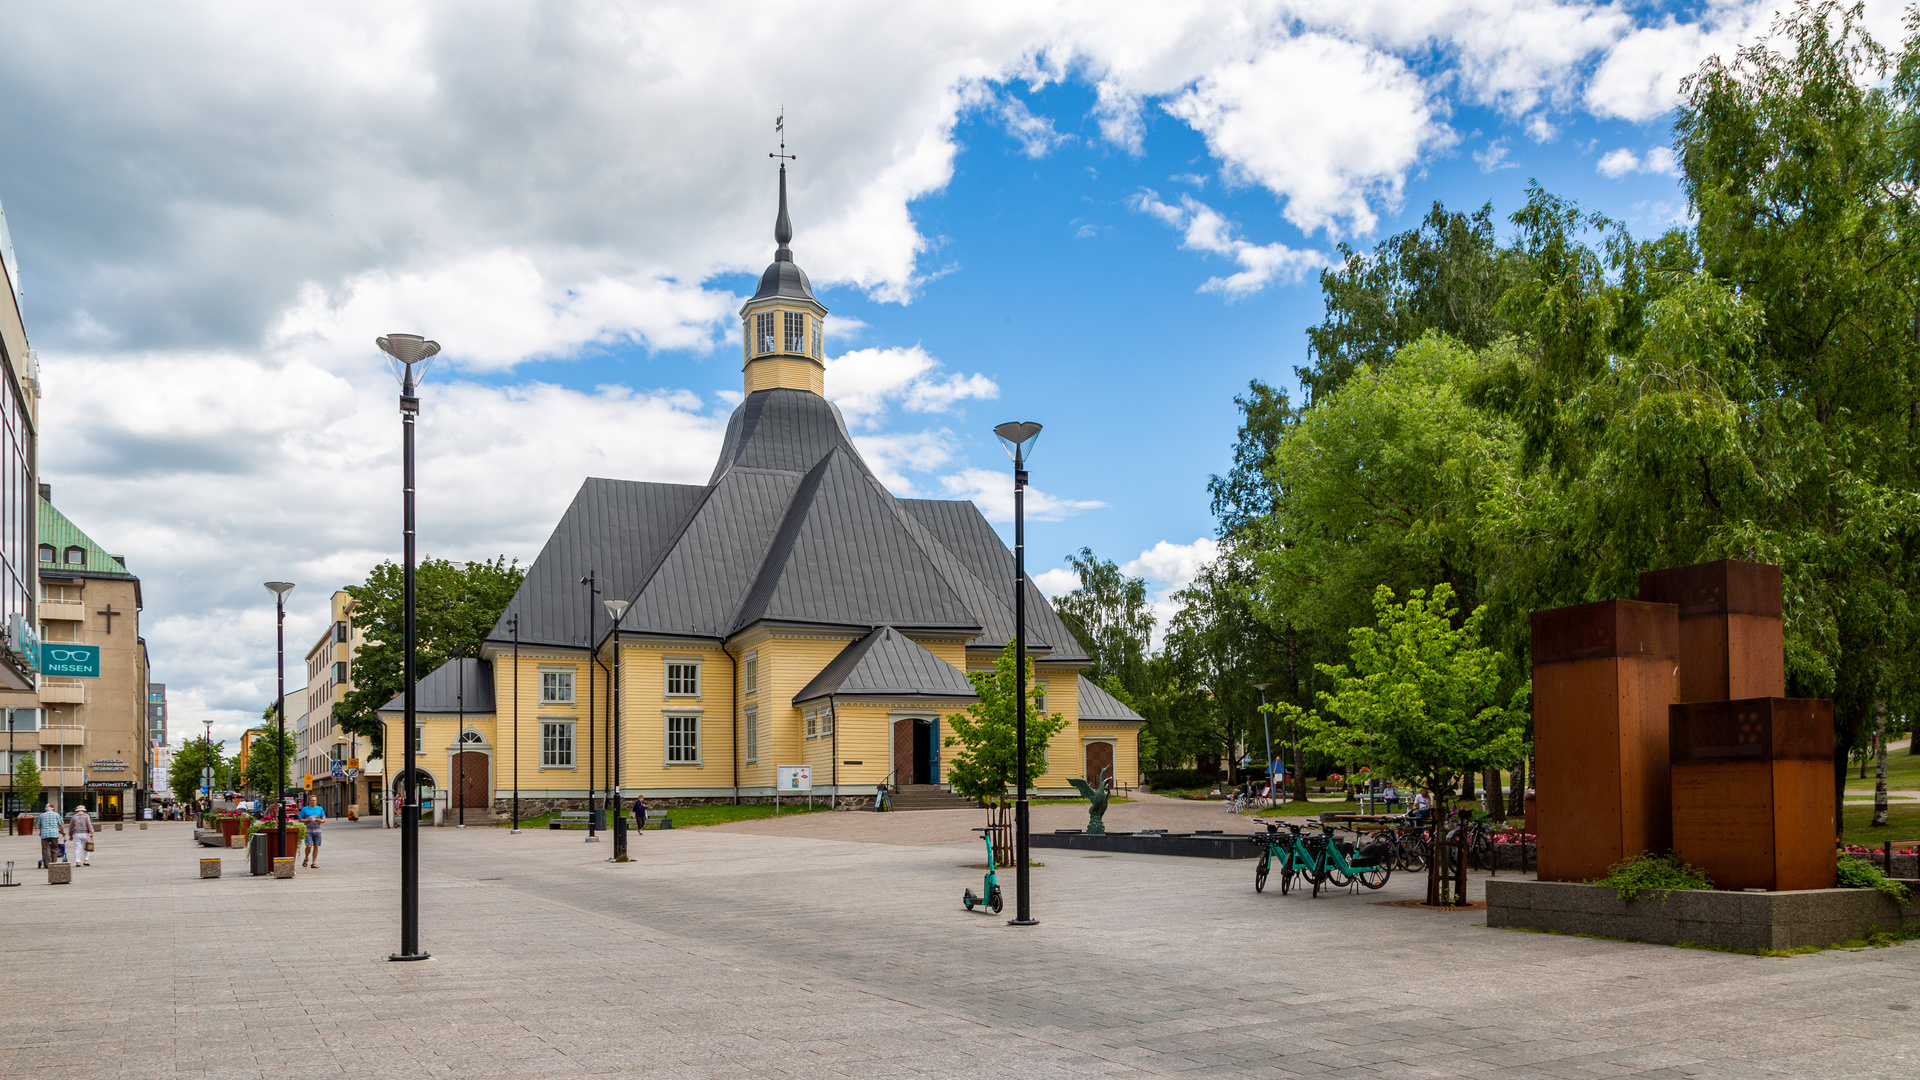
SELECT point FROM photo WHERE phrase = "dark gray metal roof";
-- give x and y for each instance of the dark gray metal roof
(964, 531)
(621, 529)
(783, 277)
(442, 691)
(1097, 704)
(886, 663)
(792, 528)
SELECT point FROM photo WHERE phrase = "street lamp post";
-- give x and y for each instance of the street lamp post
(280, 589)
(591, 581)
(1266, 723)
(403, 352)
(460, 751)
(513, 624)
(1018, 438)
(617, 609)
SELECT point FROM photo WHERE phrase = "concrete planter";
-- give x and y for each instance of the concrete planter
(283, 868)
(60, 873)
(1735, 920)
(209, 868)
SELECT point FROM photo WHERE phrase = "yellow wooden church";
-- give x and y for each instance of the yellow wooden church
(790, 611)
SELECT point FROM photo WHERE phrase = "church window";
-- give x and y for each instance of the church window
(763, 336)
(556, 687)
(556, 745)
(683, 740)
(751, 673)
(746, 337)
(683, 679)
(753, 736)
(1040, 700)
(813, 724)
(826, 722)
(817, 335)
(796, 327)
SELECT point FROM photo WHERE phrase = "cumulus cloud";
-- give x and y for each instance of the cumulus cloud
(865, 383)
(992, 491)
(1622, 162)
(1168, 568)
(1203, 229)
(1494, 157)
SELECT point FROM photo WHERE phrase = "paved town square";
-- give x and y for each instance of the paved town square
(722, 952)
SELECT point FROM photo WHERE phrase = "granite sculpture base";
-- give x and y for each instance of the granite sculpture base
(1733, 920)
(1191, 845)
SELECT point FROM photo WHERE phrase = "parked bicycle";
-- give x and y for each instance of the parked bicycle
(1318, 859)
(1407, 844)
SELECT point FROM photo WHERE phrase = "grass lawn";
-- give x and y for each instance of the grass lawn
(693, 817)
(1903, 824)
(1903, 773)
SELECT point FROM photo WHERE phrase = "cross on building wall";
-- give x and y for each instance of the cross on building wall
(109, 613)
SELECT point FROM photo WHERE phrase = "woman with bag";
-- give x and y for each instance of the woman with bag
(80, 838)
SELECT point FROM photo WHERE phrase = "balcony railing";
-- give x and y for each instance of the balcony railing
(62, 611)
(62, 691)
(62, 734)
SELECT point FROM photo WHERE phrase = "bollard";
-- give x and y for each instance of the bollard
(209, 868)
(666, 820)
(60, 873)
(283, 868)
(143, 826)
(119, 826)
(6, 876)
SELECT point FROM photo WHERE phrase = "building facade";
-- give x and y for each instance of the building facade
(791, 611)
(332, 757)
(19, 480)
(89, 709)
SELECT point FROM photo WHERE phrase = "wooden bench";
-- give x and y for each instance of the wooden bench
(568, 819)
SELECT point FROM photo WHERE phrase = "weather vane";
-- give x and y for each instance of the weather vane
(780, 129)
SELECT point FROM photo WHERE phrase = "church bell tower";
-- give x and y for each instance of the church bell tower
(781, 326)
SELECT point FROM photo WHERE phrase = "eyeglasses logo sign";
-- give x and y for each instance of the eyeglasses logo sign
(70, 661)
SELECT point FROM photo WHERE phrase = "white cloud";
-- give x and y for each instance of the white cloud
(1169, 567)
(1056, 582)
(1203, 229)
(892, 457)
(1034, 133)
(1330, 166)
(1494, 157)
(992, 491)
(867, 382)
(1659, 160)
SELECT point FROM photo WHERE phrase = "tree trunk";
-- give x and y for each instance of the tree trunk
(1437, 851)
(1517, 792)
(1466, 785)
(1880, 764)
(1299, 771)
(1496, 806)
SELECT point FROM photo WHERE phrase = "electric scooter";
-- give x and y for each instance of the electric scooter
(991, 885)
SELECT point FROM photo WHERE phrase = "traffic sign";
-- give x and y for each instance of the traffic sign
(306, 782)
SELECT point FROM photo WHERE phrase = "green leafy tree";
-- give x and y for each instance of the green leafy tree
(184, 775)
(1109, 616)
(270, 760)
(984, 737)
(26, 781)
(1421, 700)
(455, 606)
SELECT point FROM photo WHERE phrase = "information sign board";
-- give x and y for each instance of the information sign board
(796, 779)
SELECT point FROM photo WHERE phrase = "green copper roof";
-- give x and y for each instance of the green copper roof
(60, 534)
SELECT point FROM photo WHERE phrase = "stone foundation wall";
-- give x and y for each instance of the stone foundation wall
(1737, 920)
(502, 811)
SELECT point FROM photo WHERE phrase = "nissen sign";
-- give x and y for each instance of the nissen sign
(69, 661)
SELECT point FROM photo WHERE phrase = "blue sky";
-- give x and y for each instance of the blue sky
(1105, 217)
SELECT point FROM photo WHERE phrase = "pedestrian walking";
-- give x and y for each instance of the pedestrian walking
(80, 838)
(640, 814)
(313, 818)
(50, 826)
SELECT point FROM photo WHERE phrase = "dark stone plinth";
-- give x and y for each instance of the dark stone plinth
(1735, 920)
(1198, 847)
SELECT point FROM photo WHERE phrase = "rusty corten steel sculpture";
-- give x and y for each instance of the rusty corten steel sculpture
(1603, 676)
(1636, 700)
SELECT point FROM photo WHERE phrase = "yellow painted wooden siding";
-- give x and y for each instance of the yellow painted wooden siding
(644, 707)
(439, 734)
(787, 665)
(785, 372)
(1126, 749)
(866, 736)
(533, 714)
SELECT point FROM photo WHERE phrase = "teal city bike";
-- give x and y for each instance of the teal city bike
(1316, 859)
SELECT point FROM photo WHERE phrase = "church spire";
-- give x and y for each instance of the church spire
(783, 225)
(782, 324)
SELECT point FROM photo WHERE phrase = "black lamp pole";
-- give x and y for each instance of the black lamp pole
(280, 590)
(617, 609)
(513, 623)
(404, 351)
(593, 590)
(1018, 439)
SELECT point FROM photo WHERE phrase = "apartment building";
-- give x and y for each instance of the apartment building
(331, 756)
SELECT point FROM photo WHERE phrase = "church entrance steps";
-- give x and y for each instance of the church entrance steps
(929, 797)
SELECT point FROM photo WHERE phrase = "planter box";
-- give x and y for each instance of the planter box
(60, 873)
(283, 868)
(209, 868)
(231, 827)
(1735, 920)
(23, 825)
(294, 839)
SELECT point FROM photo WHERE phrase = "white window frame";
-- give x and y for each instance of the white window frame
(666, 677)
(1041, 685)
(573, 689)
(667, 725)
(750, 673)
(826, 722)
(752, 721)
(818, 333)
(813, 723)
(766, 333)
(573, 750)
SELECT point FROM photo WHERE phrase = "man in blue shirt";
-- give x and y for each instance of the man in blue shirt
(313, 818)
(49, 822)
